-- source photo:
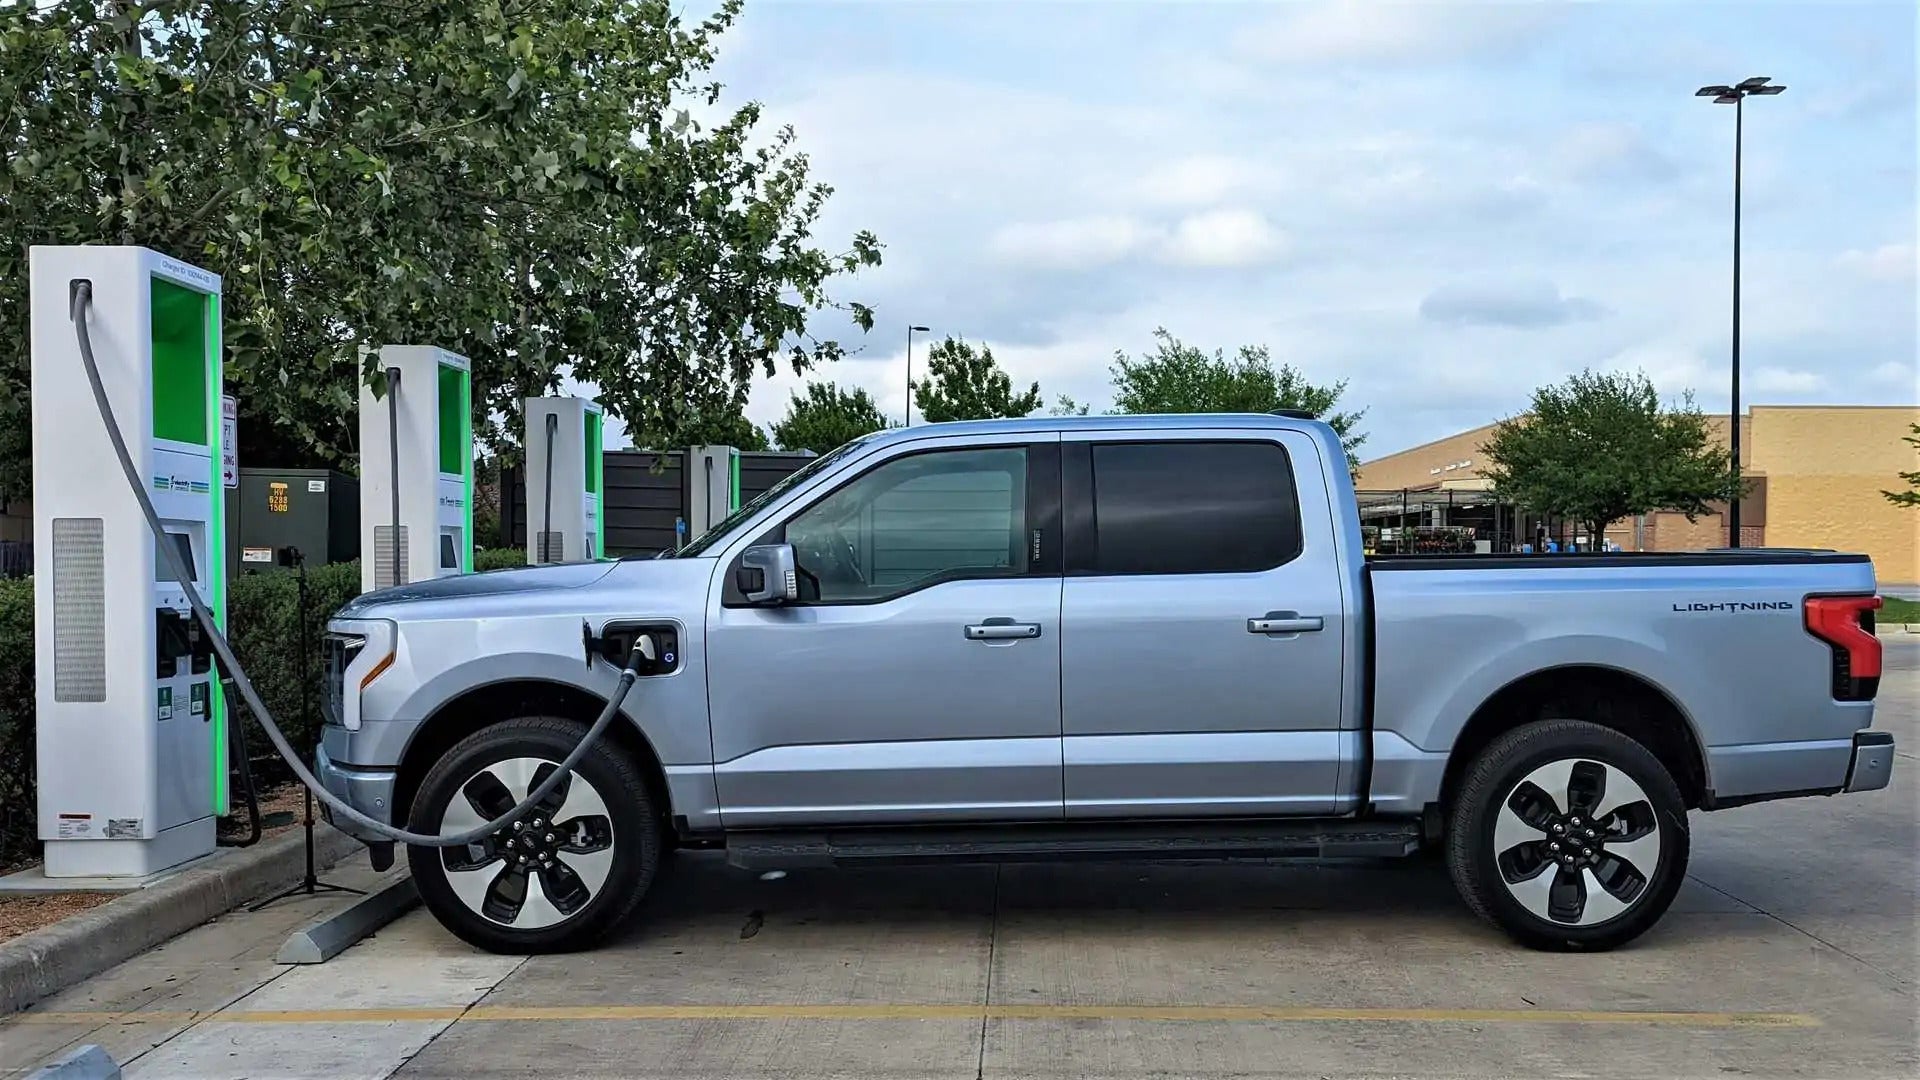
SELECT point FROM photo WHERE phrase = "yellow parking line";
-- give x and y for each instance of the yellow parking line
(1161, 1013)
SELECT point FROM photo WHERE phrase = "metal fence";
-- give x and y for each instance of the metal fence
(646, 495)
(16, 558)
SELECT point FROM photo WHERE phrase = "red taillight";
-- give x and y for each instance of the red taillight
(1845, 623)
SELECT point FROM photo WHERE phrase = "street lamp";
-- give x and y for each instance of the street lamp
(1734, 95)
(910, 333)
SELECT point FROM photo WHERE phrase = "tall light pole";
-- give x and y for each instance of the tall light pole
(1734, 95)
(910, 333)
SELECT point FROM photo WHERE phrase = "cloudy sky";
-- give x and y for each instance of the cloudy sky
(1444, 204)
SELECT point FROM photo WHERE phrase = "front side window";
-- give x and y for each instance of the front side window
(912, 522)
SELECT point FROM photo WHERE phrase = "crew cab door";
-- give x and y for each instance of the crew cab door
(1202, 625)
(918, 677)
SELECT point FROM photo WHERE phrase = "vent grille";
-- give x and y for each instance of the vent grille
(553, 546)
(383, 556)
(79, 610)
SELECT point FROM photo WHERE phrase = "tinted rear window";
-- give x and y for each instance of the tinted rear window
(1193, 508)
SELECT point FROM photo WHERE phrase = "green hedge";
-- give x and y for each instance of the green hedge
(499, 558)
(263, 624)
(18, 806)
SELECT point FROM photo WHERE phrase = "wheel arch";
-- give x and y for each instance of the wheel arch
(491, 703)
(1625, 701)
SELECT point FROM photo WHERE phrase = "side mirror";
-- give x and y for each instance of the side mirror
(766, 575)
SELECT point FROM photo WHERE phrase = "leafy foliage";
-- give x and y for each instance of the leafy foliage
(1911, 496)
(1066, 406)
(1600, 447)
(516, 181)
(723, 429)
(967, 384)
(1180, 378)
(827, 417)
(19, 809)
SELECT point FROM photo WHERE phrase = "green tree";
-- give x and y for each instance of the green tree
(1180, 378)
(1064, 405)
(967, 384)
(519, 182)
(1601, 447)
(1911, 496)
(827, 417)
(726, 429)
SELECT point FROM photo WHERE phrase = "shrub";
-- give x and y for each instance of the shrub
(18, 806)
(499, 558)
(263, 624)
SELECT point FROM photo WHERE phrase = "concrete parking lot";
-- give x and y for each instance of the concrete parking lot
(1791, 952)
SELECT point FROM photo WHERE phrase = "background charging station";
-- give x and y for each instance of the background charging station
(130, 721)
(416, 468)
(713, 487)
(564, 480)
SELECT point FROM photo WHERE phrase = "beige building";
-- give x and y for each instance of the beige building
(1817, 472)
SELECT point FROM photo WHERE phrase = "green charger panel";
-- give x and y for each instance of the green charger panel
(180, 319)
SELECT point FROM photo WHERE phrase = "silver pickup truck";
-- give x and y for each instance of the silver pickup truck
(1152, 637)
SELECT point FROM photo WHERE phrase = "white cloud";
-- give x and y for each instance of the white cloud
(1903, 378)
(1386, 31)
(1782, 381)
(1518, 304)
(1201, 180)
(1059, 205)
(1223, 238)
(1610, 150)
(1889, 262)
(1070, 244)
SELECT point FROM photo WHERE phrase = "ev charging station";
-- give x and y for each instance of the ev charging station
(416, 468)
(564, 480)
(713, 487)
(130, 721)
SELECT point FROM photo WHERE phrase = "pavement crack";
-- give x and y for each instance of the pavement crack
(209, 1014)
(464, 1012)
(986, 1006)
(1905, 987)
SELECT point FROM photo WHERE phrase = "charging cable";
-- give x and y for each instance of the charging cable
(82, 292)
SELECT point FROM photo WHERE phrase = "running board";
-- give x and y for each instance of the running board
(1276, 838)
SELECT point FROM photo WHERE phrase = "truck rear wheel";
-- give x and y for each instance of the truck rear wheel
(1568, 835)
(561, 877)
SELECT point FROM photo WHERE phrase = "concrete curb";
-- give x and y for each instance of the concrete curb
(52, 958)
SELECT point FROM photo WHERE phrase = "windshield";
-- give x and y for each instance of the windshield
(701, 543)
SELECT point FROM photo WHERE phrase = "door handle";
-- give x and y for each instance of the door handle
(1286, 622)
(1002, 630)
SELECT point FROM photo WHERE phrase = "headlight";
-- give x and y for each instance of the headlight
(358, 652)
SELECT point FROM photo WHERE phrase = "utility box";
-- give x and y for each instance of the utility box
(315, 510)
(564, 480)
(131, 725)
(416, 468)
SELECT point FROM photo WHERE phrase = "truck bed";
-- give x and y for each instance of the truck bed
(1713, 643)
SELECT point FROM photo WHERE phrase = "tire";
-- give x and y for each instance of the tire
(591, 851)
(1608, 881)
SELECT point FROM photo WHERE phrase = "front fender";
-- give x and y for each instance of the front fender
(669, 710)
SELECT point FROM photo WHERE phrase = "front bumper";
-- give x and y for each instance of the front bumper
(369, 791)
(1872, 765)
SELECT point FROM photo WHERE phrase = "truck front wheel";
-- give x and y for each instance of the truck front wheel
(1568, 835)
(562, 876)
